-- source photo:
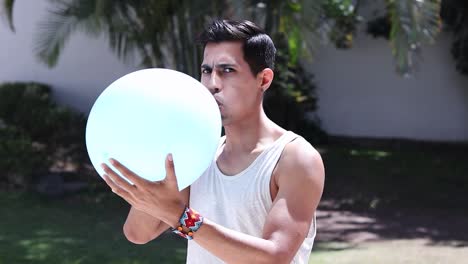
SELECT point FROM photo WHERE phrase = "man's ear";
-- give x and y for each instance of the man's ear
(265, 78)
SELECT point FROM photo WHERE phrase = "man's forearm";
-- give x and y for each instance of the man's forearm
(140, 227)
(235, 247)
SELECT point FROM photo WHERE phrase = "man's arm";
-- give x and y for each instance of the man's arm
(300, 179)
(141, 228)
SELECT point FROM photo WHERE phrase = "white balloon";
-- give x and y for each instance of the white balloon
(145, 115)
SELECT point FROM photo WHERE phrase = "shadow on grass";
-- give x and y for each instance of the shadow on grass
(395, 193)
(439, 228)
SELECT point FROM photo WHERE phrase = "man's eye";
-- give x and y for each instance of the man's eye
(205, 71)
(228, 70)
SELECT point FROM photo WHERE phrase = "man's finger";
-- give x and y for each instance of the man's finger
(127, 173)
(117, 179)
(116, 188)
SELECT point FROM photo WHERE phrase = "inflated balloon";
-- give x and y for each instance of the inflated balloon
(145, 115)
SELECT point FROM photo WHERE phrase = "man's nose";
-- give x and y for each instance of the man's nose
(214, 84)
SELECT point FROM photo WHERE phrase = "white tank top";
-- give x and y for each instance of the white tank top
(241, 202)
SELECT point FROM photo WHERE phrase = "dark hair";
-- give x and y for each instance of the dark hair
(259, 50)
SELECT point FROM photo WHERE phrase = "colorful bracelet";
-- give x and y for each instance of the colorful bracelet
(190, 219)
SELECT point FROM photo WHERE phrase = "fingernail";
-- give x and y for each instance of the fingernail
(112, 161)
(169, 157)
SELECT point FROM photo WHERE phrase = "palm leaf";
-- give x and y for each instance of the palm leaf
(7, 9)
(413, 23)
(64, 19)
(297, 20)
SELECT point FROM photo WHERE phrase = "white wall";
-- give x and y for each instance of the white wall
(361, 95)
(86, 67)
(359, 92)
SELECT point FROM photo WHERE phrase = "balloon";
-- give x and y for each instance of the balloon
(147, 114)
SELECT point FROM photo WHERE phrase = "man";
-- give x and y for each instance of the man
(256, 202)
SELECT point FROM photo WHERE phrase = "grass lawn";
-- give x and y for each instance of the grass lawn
(405, 177)
(43, 231)
(87, 228)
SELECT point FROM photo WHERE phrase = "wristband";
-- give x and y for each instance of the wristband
(190, 219)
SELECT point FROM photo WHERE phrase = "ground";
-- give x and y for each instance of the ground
(390, 236)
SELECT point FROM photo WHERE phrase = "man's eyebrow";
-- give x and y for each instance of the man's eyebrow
(225, 65)
(220, 65)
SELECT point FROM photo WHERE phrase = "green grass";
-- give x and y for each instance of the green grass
(406, 177)
(87, 228)
(77, 231)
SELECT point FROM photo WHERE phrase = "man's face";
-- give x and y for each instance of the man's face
(229, 78)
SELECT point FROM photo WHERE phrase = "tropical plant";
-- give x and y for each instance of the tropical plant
(161, 31)
(454, 15)
(412, 23)
(292, 25)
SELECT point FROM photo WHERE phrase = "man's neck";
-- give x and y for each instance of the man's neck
(251, 134)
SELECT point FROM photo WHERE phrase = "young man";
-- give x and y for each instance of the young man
(256, 202)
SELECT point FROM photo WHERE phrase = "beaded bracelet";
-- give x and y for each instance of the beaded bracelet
(190, 219)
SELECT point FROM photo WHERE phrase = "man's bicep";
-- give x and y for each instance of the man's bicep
(300, 183)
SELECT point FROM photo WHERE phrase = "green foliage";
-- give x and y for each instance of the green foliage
(37, 133)
(344, 19)
(297, 21)
(26, 105)
(160, 32)
(407, 25)
(413, 23)
(291, 97)
(20, 160)
(455, 15)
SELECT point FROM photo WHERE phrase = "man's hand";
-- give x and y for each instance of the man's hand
(160, 199)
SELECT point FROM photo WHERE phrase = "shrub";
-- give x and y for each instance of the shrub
(20, 158)
(37, 133)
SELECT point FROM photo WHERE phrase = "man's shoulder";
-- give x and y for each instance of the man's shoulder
(298, 151)
(300, 158)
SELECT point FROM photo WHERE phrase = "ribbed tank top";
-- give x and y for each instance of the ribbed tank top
(241, 202)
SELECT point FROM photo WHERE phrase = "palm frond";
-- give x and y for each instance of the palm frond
(308, 22)
(413, 23)
(65, 18)
(54, 34)
(297, 20)
(7, 11)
